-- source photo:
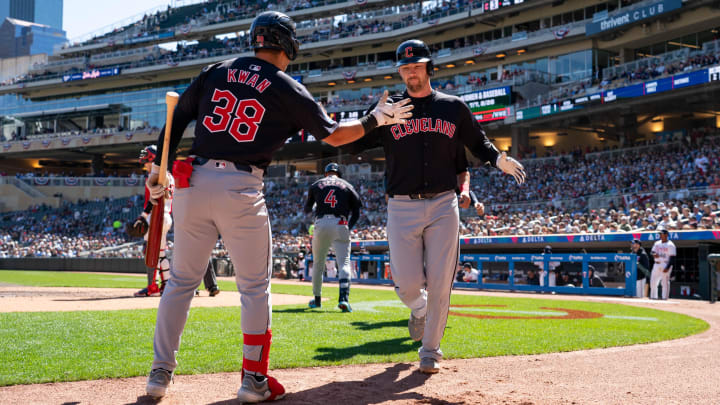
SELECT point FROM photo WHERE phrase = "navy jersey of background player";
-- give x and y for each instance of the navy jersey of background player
(334, 196)
(245, 110)
(441, 126)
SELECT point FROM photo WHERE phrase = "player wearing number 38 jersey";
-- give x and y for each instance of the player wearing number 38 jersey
(245, 109)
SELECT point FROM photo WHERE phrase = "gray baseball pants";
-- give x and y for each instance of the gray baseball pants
(226, 201)
(329, 233)
(424, 252)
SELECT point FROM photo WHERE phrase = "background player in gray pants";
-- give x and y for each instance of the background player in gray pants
(334, 198)
(426, 162)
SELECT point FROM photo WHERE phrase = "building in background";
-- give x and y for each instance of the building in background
(45, 12)
(24, 38)
(30, 27)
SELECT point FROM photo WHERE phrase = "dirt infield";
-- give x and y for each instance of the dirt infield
(671, 372)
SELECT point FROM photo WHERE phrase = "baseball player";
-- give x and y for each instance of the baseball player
(210, 280)
(140, 227)
(333, 198)
(643, 263)
(425, 160)
(664, 252)
(246, 108)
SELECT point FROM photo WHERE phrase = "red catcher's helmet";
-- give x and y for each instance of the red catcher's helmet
(147, 154)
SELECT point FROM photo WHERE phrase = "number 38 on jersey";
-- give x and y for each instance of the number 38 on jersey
(239, 118)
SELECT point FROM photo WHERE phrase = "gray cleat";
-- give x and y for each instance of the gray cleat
(428, 365)
(158, 382)
(416, 327)
(252, 390)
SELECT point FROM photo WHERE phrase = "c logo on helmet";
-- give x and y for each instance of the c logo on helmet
(408, 52)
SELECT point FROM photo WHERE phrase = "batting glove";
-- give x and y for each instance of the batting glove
(391, 113)
(155, 190)
(511, 166)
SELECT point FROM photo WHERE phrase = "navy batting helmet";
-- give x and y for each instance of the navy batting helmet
(333, 167)
(414, 51)
(148, 153)
(274, 30)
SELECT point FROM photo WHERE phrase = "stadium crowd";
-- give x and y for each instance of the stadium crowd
(672, 186)
(94, 228)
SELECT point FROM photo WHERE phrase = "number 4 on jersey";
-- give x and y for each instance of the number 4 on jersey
(330, 198)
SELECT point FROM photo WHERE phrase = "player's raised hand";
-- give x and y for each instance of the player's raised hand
(392, 113)
(511, 167)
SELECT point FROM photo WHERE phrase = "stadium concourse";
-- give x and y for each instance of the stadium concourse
(645, 188)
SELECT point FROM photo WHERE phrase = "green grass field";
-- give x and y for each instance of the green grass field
(67, 346)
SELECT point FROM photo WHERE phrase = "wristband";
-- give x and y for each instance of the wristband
(155, 169)
(368, 122)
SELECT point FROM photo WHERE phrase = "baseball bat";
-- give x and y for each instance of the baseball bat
(152, 253)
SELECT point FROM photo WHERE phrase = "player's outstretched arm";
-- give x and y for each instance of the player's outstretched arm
(384, 113)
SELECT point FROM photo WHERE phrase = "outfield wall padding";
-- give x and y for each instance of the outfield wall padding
(110, 265)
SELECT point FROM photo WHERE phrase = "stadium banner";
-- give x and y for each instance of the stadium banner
(714, 74)
(636, 90)
(576, 238)
(678, 81)
(690, 79)
(492, 5)
(92, 74)
(659, 86)
(489, 105)
(622, 18)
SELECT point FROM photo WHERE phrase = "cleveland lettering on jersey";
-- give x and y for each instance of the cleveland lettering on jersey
(416, 126)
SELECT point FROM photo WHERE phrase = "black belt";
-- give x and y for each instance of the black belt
(199, 161)
(419, 196)
(332, 215)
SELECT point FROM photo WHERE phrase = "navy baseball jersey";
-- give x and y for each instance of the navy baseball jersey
(334, 196)
(426, 154)
(245, 109)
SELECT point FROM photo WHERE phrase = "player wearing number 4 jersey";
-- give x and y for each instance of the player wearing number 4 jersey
(334, 199)
(245, 108)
